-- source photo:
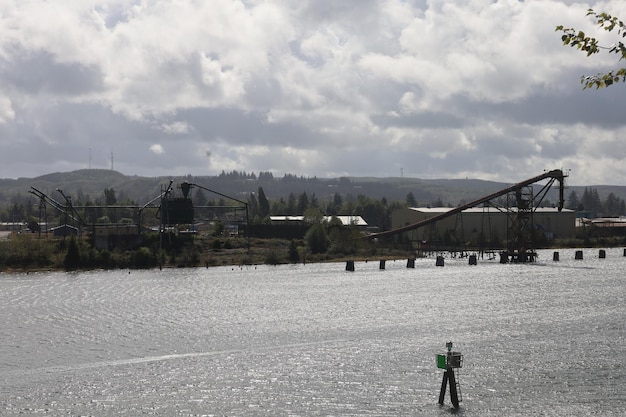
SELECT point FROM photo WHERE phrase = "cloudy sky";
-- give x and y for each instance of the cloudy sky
(421, 88)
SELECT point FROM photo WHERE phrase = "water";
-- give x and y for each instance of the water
(313, 340)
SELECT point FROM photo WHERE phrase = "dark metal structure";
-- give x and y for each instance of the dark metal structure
(170, 210)
(67, 209)
(186, 187)
(522, 205)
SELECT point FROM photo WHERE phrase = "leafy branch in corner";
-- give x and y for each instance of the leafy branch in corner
(579, 40)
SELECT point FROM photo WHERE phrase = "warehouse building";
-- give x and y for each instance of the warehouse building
(482, 223)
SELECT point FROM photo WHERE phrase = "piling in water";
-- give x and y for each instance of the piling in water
(578, 255)
(350, 266)
(555, 256)
(602, 254)
(382, 264)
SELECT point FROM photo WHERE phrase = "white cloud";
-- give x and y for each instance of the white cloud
(441, 88)
(176, 128)
(6, 110)
(157, 149)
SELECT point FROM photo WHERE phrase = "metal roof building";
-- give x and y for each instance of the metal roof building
(478, 223)
(345, 220)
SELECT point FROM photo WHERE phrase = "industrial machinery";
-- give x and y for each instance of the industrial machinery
(522, 203)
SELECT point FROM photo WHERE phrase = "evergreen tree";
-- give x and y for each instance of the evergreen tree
(199, 199)
(316, 239)
(612, 206)
(291, 204)
(279, 207)
(264, 205)
(109, 197)
(572, 201)
(374, 213)
(253, 206)
(590, 200)
(410, 200)
(303, 203)
(313, 202)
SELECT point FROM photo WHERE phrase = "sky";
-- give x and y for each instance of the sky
(383, 88)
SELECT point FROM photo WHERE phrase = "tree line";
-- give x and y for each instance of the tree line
(590, 201)
(114, 207)
(376, 212)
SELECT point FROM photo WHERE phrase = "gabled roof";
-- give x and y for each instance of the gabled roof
(63, 226)
(608, 222)
(345, 220)
(287, 218)
(438, 210)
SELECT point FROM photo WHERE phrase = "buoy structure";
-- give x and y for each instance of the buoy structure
(450, 361)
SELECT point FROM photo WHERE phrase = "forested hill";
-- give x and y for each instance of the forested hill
(89, 184)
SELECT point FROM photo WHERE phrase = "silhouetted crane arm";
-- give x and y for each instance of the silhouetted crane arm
(56, 205)
(556, 174)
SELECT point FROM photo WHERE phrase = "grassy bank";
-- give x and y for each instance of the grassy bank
(28, 252)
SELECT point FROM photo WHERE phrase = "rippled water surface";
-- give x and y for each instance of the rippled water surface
(542, 339)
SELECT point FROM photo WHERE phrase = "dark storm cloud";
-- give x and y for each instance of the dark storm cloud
(39, 73)
(555, 107)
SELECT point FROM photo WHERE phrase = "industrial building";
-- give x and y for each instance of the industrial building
(482, 223)
(356, 221)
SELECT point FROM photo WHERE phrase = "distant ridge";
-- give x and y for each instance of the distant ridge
(91, 183)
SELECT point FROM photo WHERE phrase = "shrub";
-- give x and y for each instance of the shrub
(316, 239)
(143, 258)
(72, 257)
(294, 256)
(271, 258)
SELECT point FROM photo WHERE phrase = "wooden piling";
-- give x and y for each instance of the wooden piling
(504, 257)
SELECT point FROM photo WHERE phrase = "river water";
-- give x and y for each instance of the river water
(543, 339)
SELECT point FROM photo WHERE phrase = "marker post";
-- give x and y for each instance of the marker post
(449, 362)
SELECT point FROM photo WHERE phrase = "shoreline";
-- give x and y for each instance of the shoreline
(234, 260)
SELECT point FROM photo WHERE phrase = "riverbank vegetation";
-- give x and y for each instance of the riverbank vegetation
(28, 252)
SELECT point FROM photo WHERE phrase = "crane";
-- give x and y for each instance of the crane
(524, 207)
